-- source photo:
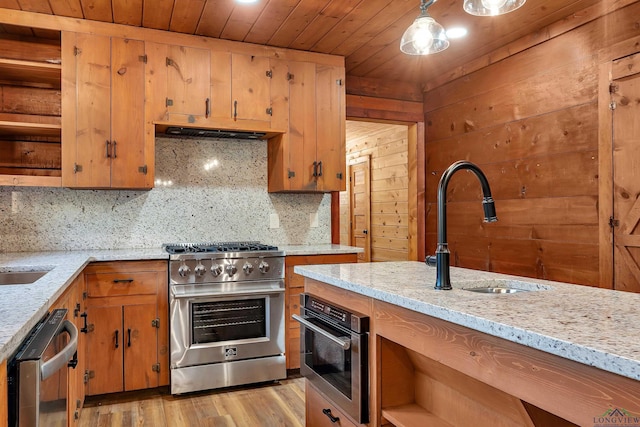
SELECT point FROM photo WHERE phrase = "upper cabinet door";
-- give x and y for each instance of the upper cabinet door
(127, 114)
(250, 88)
(188, 82)
(90, 151)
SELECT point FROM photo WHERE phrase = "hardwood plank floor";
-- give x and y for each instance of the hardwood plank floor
(273, 404)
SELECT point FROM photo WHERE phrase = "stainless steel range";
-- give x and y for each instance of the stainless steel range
(226, 305)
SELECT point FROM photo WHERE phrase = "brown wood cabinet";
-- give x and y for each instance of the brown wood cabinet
(127, 339)
(294, 285)
(188, 83)
(311, 156)
(30, 123)
(320, 412)
(103, 106)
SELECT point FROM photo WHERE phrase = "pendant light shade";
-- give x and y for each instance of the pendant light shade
(491, 7)
(425, 35)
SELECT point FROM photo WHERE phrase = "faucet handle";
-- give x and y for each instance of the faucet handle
(430, 260)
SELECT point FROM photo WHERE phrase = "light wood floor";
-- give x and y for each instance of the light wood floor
(275, 404)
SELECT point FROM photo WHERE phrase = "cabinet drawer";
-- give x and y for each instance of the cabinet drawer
(119, 284)
(318, 409)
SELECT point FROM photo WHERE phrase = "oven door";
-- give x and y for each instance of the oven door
(335, 360)
(243, 321)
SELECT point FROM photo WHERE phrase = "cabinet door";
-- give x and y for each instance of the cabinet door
(104, 350)
(128, 156)
(188, 82)
(302, 125)
(89, 150)
(331, 151)
(140, 345)
(250, 87)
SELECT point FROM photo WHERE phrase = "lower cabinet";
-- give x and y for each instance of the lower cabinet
(319, 412)
(294, 285)
(127, 334)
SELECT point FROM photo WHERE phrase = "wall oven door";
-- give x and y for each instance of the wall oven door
(335, 360)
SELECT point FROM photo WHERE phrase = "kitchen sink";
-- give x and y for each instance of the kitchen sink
(497, 290)
(20, 277)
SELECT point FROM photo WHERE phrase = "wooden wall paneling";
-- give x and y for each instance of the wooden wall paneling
(386, 89)
(367, 107)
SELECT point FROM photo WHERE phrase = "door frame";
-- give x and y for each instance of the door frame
(353, 162)
(606, 58)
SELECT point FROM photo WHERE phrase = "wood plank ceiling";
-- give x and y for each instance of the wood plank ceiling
(366, 32)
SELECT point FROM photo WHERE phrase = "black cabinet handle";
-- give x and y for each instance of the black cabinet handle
(85, 328)
(129, 337)
(114, 150)
(319, 168)
(315, 169)
(207, 110)
(108, 148)
(116, 338)
(235, 110)
(333, 419)
(122, 280)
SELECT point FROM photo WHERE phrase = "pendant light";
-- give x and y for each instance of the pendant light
(425, 35)
(491, 7)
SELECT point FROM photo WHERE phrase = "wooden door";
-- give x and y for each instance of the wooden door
(140, 346)
(302, 126)
(330, 119)
(626, 176)
(104, 350)
(360, 206)
(127, 115)
(250, 87)
(93, 118)
(188, 81)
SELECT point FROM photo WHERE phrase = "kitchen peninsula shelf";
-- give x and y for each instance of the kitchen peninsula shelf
(412, 415)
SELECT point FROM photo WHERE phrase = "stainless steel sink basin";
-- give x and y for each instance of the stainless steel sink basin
(20, 277)
(495, 290)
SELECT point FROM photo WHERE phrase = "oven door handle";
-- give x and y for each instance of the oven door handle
(344, 343)
(232, 293)
(61, 359)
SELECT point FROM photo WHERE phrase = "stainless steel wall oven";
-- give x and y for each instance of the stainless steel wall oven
(334, 354)
(226, 304)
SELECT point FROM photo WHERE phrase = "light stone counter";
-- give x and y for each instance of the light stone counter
(22, 306)
(596, 327)
(327, 249)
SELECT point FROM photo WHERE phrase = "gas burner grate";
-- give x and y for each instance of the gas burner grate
(183, 248)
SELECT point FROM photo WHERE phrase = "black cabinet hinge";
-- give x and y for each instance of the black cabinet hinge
(76, 51)
(169, 102)
(613, 87)
(269, 111)
(290, 76)
(339, 82)
(613, 222)
(170, 62)
(339, 175)
(269, 73)
(155, 367)
(142, 58)
(142, 169)
(77, 168)
(291, 174)
(155, 323)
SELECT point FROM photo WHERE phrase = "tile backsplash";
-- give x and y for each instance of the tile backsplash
(206, 190)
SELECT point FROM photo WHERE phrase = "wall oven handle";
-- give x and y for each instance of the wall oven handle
(61, 359)
(225, 294)
(344, 343)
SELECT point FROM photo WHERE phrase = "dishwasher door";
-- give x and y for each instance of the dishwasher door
(39, 374)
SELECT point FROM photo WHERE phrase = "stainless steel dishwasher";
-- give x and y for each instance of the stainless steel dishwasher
(37, 373)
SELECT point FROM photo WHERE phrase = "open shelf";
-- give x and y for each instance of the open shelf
(412, 415)
(30, 125)
(30, 73)
(31, 181)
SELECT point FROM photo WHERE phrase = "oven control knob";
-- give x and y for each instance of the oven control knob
(200, 270)
(231, 269)
(263, 267)
(247, 268)
(184, 270)
(216, 269)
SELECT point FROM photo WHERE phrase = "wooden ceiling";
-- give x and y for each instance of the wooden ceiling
(366, 32)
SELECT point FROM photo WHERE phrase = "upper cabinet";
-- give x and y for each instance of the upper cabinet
(103, 108)
(30, 110)
(311, 155)
(188, 83)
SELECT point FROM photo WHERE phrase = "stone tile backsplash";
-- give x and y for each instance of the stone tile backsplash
(206, 190)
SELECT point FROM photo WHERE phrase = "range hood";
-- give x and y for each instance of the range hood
(213, 133)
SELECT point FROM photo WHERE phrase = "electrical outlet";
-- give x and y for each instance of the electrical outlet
(274, 221)
(313, 219)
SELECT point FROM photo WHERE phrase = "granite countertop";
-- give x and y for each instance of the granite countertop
(597, 327)
(22, 306)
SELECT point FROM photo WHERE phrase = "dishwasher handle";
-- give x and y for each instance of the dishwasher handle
(345, 344)
(61, 359)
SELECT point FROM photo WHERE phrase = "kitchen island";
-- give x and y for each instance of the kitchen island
(557, 352)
